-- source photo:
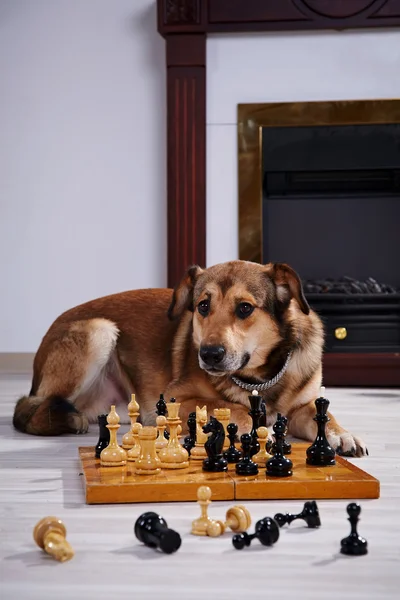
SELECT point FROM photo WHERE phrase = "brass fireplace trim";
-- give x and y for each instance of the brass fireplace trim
(253, 117)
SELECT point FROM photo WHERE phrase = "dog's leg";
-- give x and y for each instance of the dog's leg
(302, 425)
(71, 360)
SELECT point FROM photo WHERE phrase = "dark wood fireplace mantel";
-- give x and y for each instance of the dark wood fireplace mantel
(185, 25)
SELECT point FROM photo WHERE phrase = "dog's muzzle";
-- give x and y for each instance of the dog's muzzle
(212, 355)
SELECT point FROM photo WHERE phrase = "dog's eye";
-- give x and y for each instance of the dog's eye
(244, 310)
(204, 307)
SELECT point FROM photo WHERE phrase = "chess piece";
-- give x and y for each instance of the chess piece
(214, 462)
(152, 530)
(262, 456)
(49, 534)
(174, 456)
(113, 455)
(161, 441)
(320, 453)
(148, 462)
(278, 465)
(286, 447)
(190, 440)
(128, 439)
(104, 435)
(237, 519)
(134, 452)
(255, 414)
(266, 531)
(161, 411)
(198, 452)
(246, 466)
(309, 514)
(224, 416)
(199, 526)
(354, 544)
(232, 454)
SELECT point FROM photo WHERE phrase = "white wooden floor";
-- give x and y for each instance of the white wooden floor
(40, 477)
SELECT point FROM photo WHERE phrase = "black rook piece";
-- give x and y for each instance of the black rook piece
(354, 544)
(256, 415)
(215, 461)
(190, 440)
(266, 531)
(286, 447)
(152, 530)
(309, 514)
(161, 410)
(104, 435)
(232, 454)
(246, 466)
(278, 465)
(321, 454)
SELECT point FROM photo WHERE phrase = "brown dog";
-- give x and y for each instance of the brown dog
(222, 328)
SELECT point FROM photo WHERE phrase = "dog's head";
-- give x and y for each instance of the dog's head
(240, 312)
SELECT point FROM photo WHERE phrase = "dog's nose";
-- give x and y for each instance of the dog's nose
(212, 355)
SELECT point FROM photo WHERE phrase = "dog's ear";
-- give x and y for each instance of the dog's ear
(182, 298)
(288, 285)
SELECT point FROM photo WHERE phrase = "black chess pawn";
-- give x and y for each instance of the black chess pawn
(278, 465)
(266, 531)
(309, 514)
(152, 530)
(256, 414)
(161, 411)
(286, 447)
(104, 435)
(246, 466)
(354, 544)
(214, 462)
(320, 453)
(190, 440)
(232, 454)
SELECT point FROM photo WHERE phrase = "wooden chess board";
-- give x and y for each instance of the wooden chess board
(116, 485)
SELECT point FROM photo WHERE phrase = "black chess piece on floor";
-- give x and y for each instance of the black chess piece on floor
(354, 544)
(266, 531)
(286, 447)
(246, 466)
(256, 414)
(278, 465)
(309, 514)
(152, 530)
(104, 435)
(190, 440)
(320, 453)
(161, 411)
(214, 462)
(232, 454)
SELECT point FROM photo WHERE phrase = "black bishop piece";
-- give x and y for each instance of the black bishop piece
(232, 454)
(320, 453)
(278, 465)
(286, 447)
(190, 440)
(354, 544)
(246, 466)
(309, 514)
(256, 415)
(266, 531)
(104, 435)
(152, 530)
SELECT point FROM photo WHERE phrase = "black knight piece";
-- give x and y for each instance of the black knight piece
(215, 461)
(190, 440)
(286, 447)
(320, 453)
(232, 454)
(104, 435)
(161, 411)
(309, 514)
(266, 531)
(278, 465)
(152, 530)
(246, 466)
(354, 544)
(256, 414)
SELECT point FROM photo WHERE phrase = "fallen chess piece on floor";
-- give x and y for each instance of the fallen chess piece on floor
(266, 531)
(309, 514)
(237, 519)
(50, 535)
(354, 544)
(152, 530)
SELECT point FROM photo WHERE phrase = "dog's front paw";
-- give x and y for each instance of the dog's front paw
(78, 423)
(346, 444)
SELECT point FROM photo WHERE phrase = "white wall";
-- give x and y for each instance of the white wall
(82, 158)
(281, 67)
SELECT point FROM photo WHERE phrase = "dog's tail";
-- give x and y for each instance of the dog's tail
(47, 416)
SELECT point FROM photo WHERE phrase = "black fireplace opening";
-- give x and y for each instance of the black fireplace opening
(331, 209)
